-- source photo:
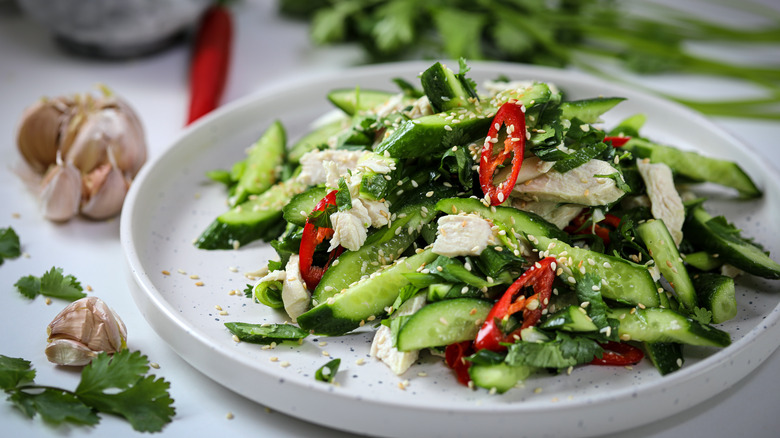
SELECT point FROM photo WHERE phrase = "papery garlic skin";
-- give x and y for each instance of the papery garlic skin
(85, 325)
(39, 132)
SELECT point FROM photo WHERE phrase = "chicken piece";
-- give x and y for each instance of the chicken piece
(351, 226)
(461, 235)
(532, 167)
(314, 167)
(383, 345)
(557, 214)
(665, 202)
(295, 296)
(577, 186)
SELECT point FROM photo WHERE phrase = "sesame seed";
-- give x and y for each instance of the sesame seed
(236, 339)
(360, 361)
(229, 416)
(164, 272)
(284, 364)
(199, 283)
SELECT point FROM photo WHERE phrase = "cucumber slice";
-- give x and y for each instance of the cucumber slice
(570, 319)
(665, 325)
(520, 221)
(666, 356)
(262, 164)
(345, 311)
(500, 376)
(622, 280)
(444, 89)
(259, 218)
(354, 100)
(302, 204)
(316, 139)
(717, 294)
(443, 323)
(730, 248)
(589, 110)
(661, 247)
(703, 261)
(696, 167)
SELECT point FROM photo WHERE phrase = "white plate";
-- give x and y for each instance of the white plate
(171, 202)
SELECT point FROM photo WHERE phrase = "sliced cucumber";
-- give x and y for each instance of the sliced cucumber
(443, 323)
(520, 221)
(703, 261)
(570, 319)
(302, 204)
(345, 311)
(665, 325)
(255, 219)
(354, 100)
(666, 356)
(696, 167)
(730, 248)
(316, 139)
(444, 89)
(500, 376)
(622, 280)
(717, 294)
(263, 162)
(589, 110)
(661, 247)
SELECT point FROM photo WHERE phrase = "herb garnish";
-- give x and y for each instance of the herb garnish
(52, 284)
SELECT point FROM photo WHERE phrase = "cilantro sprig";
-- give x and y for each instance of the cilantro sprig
(9, 244)
(51, 284)
(115, 385)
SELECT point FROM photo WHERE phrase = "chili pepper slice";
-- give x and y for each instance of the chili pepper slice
(576, 226)
(619, 354)
(453, 356)
(313, 236)
(616, 141)
(512, 116)
(540, 276)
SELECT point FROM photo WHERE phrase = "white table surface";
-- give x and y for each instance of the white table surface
(267, 49)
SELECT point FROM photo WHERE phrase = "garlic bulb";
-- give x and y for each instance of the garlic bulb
(82, 330)
(101, 138)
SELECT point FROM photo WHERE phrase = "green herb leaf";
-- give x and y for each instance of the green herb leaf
(29, 286)
(9, 244)
(266, 333)
(55, 407)
(343, 197)
(563, 352)
(327, 372)
(56, 285)
(15, 372)
(702, 315)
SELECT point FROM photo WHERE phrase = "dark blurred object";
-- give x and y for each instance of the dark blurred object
(599, 36)
(115, 28)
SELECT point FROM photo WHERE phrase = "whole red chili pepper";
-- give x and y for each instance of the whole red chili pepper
(511, 115)
(540, 276)
(619, 354)
(210, 61)
(313, 236)
(616, 141)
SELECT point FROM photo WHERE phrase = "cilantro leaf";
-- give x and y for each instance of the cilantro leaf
(51, 284)
(54, 406)
(140, 399)
(9, 244)
(343, 197)
(327, 372)
(15, 372)
(702, 315)
(596, 308)
(562, 352)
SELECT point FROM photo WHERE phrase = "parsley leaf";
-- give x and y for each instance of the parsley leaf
(115, 385)
(9, 244)
(702, 315)
(52, 284)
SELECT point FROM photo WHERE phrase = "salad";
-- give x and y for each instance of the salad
(505, 229)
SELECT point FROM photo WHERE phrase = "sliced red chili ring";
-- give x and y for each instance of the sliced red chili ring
(619, 354)
(453, 356)
(512, 116)
(313, 236)
(540, 276)
(576, 226)
(616, 141)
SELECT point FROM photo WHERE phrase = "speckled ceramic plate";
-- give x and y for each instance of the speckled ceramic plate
(171, 202)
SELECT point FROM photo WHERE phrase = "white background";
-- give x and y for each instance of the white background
(267, 49)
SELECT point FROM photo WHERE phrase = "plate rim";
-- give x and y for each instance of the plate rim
(150, 301)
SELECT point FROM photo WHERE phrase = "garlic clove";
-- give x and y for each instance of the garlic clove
(92, 138)
(39, 130)
(69, 352)
(61, 192)
(90, 323)
(104, 191)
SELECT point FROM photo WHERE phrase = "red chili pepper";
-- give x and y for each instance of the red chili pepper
(540, 277)
(313, 236)
(210, 61)
(511, 115)
(616, 141)
(619, 354)
(453, 356)
(576, 226)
